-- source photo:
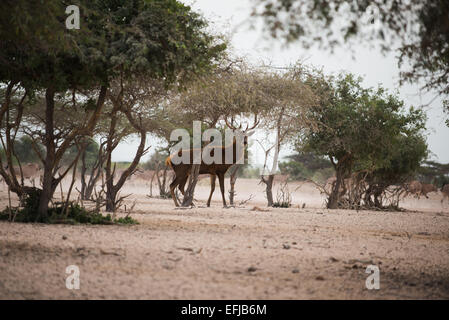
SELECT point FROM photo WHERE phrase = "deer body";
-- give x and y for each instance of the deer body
(428, 188)
(183, 170)
(30, 171)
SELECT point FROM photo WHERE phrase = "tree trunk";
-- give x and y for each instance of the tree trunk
(151, 183)
(88, 191)
(10, 179)
(367, 197)
(52, 158)
(47, 182)
(269, 188)
(111, 196)
(193, 179)
(83, 176)
(378, 197)
(88, 187)
(111, 188)
(334, 197)
(162, 185)
(232, 181)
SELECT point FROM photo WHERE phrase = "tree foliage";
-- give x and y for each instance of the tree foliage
(420, 29)
(157, 39)
(306, 165)
(364, 130)
(434, 172)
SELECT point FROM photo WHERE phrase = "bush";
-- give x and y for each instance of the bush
(126, 220)
(284, 204)
(72, 214)
(283, 197)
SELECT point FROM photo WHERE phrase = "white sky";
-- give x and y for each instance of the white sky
(229, 17)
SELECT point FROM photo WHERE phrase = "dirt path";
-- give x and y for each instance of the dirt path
(216, 253)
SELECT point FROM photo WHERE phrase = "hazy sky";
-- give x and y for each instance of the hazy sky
(229, 17)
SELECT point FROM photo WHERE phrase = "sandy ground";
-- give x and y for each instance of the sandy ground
(237, 253)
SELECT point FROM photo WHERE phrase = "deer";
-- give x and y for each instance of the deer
(428, 188)
(414, 188)
(445, 192)
(182, 170)
(30, 171)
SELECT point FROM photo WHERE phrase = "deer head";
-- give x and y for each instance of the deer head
(247, 132)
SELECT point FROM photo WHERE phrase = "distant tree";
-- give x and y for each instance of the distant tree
(306, 165)
(419, 27)
(89, 151)
(24, 150)
(434, 172)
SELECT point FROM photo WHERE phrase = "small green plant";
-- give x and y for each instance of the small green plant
(126, 220)
(283, 197)
(281, 204)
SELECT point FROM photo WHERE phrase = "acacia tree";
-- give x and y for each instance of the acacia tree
(64, 124)
(286, 102)
(134, 108)
(357, 128)
(52, 62)
(418, 27)
(230, 92)
(159, 38)
(238, 93)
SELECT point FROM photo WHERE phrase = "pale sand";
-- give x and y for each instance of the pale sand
(205, 253)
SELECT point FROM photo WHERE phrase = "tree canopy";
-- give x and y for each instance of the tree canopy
(419, 29)
(364, 130)
(162, 40)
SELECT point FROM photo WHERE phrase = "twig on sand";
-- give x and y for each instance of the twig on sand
(243, 202)
(255, 208)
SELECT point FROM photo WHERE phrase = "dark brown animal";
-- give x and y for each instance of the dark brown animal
(182, 171)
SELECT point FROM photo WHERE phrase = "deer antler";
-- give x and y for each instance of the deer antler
(256, 123)
(232, 126)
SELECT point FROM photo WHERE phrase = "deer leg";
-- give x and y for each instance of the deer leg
(173, 185)
(182, 184)
(222, 189)
(212, 188)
